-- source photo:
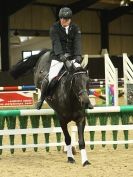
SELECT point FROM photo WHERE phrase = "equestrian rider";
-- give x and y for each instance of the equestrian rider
(66, 46)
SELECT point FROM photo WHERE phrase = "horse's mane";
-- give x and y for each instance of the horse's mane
(23, 66)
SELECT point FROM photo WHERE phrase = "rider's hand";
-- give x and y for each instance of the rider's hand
(62, 58)
(78, 59)
(68, 65)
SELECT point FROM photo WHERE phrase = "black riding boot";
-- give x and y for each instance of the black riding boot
(43, 93)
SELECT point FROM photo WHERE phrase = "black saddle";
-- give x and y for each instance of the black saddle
(55, 81)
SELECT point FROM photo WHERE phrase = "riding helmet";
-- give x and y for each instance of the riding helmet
(65, 12)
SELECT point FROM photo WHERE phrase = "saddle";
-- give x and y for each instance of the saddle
(55, 81)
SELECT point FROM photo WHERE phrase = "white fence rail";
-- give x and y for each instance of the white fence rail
(59, 130)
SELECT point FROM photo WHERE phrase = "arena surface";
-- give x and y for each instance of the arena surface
(106, 162)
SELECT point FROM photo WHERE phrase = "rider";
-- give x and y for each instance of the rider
(66, 46)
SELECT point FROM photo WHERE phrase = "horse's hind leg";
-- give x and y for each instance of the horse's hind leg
(81, 125)
(68, 142)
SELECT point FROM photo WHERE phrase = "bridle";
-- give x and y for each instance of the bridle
(82, 91)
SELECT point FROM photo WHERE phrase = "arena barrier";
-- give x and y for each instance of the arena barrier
(103, 80)
(17, 95)
(18, 124)
(128, 79)
(111, 82)
(100, 83)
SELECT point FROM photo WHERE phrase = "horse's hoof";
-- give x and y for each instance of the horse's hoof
(71, 160)
(86, 163)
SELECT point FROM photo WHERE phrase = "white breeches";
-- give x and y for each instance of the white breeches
(56, 66)
(54, 69)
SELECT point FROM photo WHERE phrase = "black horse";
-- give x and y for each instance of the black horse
(69, 97)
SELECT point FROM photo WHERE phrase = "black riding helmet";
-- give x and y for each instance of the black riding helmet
(65, 12)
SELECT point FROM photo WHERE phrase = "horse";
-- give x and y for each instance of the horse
(69, 97)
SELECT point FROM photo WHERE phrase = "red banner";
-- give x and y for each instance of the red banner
(16, 98)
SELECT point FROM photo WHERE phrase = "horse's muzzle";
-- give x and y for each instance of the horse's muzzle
(85, 102)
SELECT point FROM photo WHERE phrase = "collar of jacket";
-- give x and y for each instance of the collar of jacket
(70, 26)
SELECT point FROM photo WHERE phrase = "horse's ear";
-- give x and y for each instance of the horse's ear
(84, 61)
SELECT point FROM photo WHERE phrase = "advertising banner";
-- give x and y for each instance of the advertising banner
(16, 98)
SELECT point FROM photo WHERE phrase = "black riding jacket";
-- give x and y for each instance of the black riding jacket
(65, 43)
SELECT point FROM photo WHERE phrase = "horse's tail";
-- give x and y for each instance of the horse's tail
(22, 66)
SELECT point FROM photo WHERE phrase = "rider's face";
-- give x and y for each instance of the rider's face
(65, 22)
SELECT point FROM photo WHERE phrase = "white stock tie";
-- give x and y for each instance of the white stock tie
(66, 28)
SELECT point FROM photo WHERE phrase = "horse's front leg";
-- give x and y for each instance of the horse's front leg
(68, 142)
(80, 126)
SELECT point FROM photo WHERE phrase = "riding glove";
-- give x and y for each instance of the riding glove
(62, 58)
(78, 59)
(68, 65)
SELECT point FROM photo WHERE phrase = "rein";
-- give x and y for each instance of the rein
(80, 72)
